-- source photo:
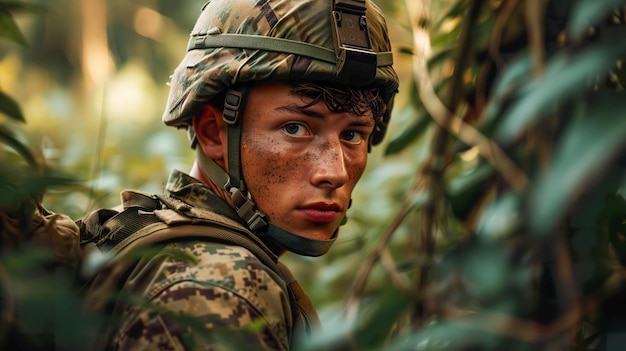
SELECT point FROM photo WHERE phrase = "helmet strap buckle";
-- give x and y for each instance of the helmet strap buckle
(246, 207)
(233, 104)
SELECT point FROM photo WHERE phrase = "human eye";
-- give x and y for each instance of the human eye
(353, 136)
(295, 129)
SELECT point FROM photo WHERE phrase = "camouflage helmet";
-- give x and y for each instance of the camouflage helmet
(328, 41)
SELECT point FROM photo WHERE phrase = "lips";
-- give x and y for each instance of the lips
(321, 212)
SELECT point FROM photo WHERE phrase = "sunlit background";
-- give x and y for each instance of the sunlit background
(93, 86)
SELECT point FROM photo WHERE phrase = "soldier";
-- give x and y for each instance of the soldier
(282, 100)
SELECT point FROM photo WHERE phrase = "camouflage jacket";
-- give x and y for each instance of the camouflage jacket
(192, 293)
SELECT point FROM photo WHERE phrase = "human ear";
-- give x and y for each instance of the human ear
(210, 132)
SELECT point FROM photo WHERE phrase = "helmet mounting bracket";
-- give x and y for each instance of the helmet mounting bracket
(352, 42)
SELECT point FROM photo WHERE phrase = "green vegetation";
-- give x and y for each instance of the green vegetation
(492, 218)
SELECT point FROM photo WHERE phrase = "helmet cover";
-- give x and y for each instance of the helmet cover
(232, 29)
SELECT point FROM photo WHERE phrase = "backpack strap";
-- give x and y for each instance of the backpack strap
(310, 319)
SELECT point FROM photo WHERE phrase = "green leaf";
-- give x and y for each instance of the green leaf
(501, 218)
(10, 108)
(491, 276)
(622, 188)
(615, 219)
(464, 191)
(587, 13)
(446, 39)
(583, 156)
(470, 179)
(472, 332)
(406, 50)
(18, 6)
(8, 137)
(419, 199)
(566, 76)
(19, 183)
(517, 74)
(417, 122)
(377, 322)
(10, 30)
(593, 226)
(408, 135)
(55, 320)
(440, 57)
(455, 10)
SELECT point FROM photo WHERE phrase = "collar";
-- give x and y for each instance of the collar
(195, 193)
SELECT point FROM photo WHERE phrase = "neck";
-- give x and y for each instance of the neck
(199, 174)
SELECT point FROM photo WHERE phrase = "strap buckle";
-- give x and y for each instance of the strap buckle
(246, 208)
(356, 61)
(232, 106)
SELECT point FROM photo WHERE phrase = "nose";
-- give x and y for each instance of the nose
(329, 170)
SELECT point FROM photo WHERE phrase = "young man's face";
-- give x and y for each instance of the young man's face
(301, 164)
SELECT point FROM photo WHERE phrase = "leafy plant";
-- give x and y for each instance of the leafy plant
(36, 254)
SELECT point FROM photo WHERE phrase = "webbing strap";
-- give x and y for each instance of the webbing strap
(286, 46)
(298, 244)
(124, 224)
(234, 159)
(161, 232)
(302, 301)
(212, 169)
(234, 104)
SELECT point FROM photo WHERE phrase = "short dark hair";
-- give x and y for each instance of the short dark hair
(355, 101)
(338, 98)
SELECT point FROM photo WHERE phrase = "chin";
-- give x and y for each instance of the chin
(316, 234)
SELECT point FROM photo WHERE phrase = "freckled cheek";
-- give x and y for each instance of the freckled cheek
(355, 167)
(269, 170)
(268, 163)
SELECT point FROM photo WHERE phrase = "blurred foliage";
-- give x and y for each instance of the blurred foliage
(493, 217)
(507, 229)
(84, 74)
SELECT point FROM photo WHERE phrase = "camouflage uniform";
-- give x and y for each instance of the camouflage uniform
(198, 294)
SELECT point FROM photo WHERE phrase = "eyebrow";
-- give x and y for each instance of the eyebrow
(358, 121)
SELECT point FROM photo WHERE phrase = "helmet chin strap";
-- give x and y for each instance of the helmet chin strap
(233, 183)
